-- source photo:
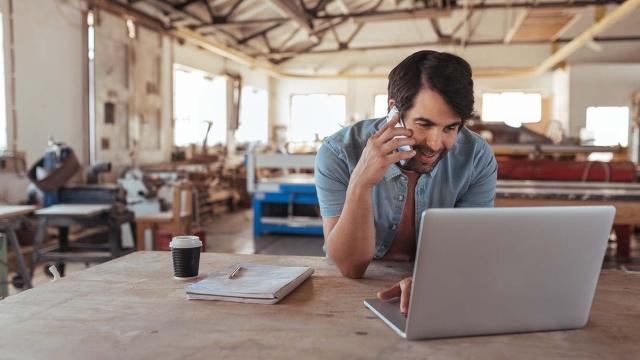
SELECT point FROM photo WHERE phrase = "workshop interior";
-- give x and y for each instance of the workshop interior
(127, 123)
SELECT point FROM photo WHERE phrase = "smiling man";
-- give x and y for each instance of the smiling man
(372, 196)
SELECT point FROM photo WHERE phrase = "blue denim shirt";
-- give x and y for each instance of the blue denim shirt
(465, 177)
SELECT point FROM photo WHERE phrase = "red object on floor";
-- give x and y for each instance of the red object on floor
(164, 239)
(564, 170)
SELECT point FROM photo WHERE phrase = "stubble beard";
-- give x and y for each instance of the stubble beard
(417, 166)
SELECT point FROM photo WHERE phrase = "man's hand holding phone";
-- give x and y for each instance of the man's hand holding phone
(380, 152)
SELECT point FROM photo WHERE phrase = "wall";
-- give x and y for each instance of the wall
(359, 95)
(360, 92)
(133, 76)
(194, 57)
(599, 85)
(189, 55)
(49, 100)
(542, 84)
(560, 81)
(48, 78)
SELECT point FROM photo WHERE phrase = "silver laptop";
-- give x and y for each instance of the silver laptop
(502, 270)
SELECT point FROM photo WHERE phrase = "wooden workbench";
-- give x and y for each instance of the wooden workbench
(13, 211)
(63, 216)
(10, 218)
(132, 308)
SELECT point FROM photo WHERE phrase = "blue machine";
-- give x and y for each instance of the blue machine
(60, 164)
(290, 195)
(51, 163)
(287, 204)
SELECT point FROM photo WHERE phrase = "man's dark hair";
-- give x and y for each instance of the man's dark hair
(447, 74)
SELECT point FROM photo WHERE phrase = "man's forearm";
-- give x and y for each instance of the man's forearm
(351, 244)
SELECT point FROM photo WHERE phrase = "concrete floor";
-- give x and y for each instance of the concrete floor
(233, 233)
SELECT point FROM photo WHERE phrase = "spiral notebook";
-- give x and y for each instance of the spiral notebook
(253, 283)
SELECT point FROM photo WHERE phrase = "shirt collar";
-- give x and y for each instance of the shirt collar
(392, 172)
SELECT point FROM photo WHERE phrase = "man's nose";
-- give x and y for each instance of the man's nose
(434, 141)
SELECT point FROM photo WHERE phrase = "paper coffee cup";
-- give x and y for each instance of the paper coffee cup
(185, 251)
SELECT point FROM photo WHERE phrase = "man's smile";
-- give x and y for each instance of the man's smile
(427, 157)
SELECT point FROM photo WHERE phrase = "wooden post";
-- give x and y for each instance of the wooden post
(4, 268)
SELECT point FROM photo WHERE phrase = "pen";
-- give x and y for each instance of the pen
(235, 271)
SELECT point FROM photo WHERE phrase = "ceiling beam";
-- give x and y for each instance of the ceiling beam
(517, 24)
(122, 10)
(194, 17)
(288, 38)
(290, 9)
(318, 35)
(212, 15)
(344, 9)
(259, 33)
(585, 37)
(393, 15)
(234, 7)
(322, 30)
(238, 23)
(453, 41)
(573, 45)
(435, 25)
(404, 14)
(184, 4)
(320, 5)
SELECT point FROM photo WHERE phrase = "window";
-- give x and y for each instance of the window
(91, 62)
(512, 108)
(316, 115)
(199, 98)
(3, 105)
(254, 114)
(608, 126)
(380, 104)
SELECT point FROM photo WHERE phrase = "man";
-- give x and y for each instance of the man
(369, 201)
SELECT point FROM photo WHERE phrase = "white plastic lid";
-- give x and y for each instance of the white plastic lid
(185, 241)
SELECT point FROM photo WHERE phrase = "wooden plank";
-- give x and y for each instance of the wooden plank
(13, 211)
(73, 210)
(132, 308)
(627, 212)
(542, 24)
(4, 271)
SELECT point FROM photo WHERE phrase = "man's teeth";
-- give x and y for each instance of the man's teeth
(428, 154)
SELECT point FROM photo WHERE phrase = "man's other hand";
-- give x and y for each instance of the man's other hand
(400, 289)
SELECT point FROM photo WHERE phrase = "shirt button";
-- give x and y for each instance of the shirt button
(403, 178)
(394, 226)
(400, 197)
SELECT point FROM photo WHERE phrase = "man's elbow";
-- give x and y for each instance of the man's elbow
(352, 264)
(353, 270)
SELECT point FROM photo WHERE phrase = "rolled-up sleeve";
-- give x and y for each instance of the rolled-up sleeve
(331, 178)
(482, 189)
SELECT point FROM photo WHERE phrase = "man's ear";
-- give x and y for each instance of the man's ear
(390, 104)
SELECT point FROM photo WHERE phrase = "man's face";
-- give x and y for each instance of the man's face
(435, 128)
